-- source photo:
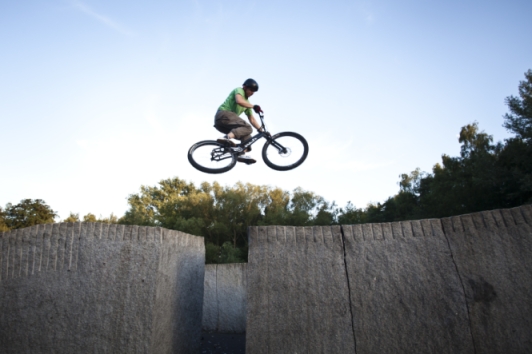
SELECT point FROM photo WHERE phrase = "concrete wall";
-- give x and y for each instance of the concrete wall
(99, 288)
(224, 298)
(455, 285)
(493, 255)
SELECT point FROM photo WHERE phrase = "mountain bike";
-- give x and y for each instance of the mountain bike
(282, 152)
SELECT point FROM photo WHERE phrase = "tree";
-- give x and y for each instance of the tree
(276, 207)
(515, 162)
(27, 213)
(326, 214)
(515, 169)
(3, 225)
(351, 215)
(72, 218)
(519, 120)
(467, 183)
(238, 208)
(222, 215)
(112, 219)
(90, 218)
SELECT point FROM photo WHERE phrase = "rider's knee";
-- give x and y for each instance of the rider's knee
(248, 130)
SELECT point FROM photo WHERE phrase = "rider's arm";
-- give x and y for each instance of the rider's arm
(242, 102)
(254, 122)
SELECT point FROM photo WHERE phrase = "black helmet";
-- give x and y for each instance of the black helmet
(252, 84)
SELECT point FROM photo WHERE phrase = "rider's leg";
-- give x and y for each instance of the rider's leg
(235, 128)
(232, 125)
(230, 135)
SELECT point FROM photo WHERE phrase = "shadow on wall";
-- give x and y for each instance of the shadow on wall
(224, 298)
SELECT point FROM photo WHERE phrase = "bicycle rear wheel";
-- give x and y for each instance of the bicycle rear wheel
(211, 157)
(285, 151)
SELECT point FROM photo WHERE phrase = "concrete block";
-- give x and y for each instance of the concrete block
(224, 298)
(495, 265)
(298, 298)
(91, 291)
(406, 296)
(2, 266)
(526, 210)
(210, 299)
(11, 254)
(231, 297)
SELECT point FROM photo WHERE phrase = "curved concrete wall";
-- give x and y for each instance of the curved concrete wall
(224, 298)
(493, 255)
(456, 285)
(99, 288)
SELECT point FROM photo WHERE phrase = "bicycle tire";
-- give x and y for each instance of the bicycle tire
(293, 142)
(200, 161)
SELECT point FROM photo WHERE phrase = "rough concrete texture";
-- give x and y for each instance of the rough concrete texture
(456, 285)
(406, 296)
(298, 298)
(99, 288)
(224, 298)
(210, 300)
(493, 254)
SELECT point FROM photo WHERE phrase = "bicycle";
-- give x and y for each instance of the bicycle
(282, 152)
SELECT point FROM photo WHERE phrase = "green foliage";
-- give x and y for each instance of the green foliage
(515, 172)
(112, 219)
(227, 253)
(72, 218)
(27, 213)
(519, 120)
(212, 253)
(467, 183)
(3, 225)
(90, 218)
(230, 254)
(351, 215)
(222, 215)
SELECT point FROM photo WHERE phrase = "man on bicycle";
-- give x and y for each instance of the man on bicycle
(227, 118)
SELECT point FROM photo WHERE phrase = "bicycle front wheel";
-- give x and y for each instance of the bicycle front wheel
(285, 151)
(211, 157)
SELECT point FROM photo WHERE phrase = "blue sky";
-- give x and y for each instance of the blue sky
(101, 97)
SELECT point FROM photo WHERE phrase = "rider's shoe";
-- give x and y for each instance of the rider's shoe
(246, 159)
(225, 140)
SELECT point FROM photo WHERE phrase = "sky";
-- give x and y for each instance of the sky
(98, 98)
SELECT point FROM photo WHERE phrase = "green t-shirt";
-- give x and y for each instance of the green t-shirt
(231, 105)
